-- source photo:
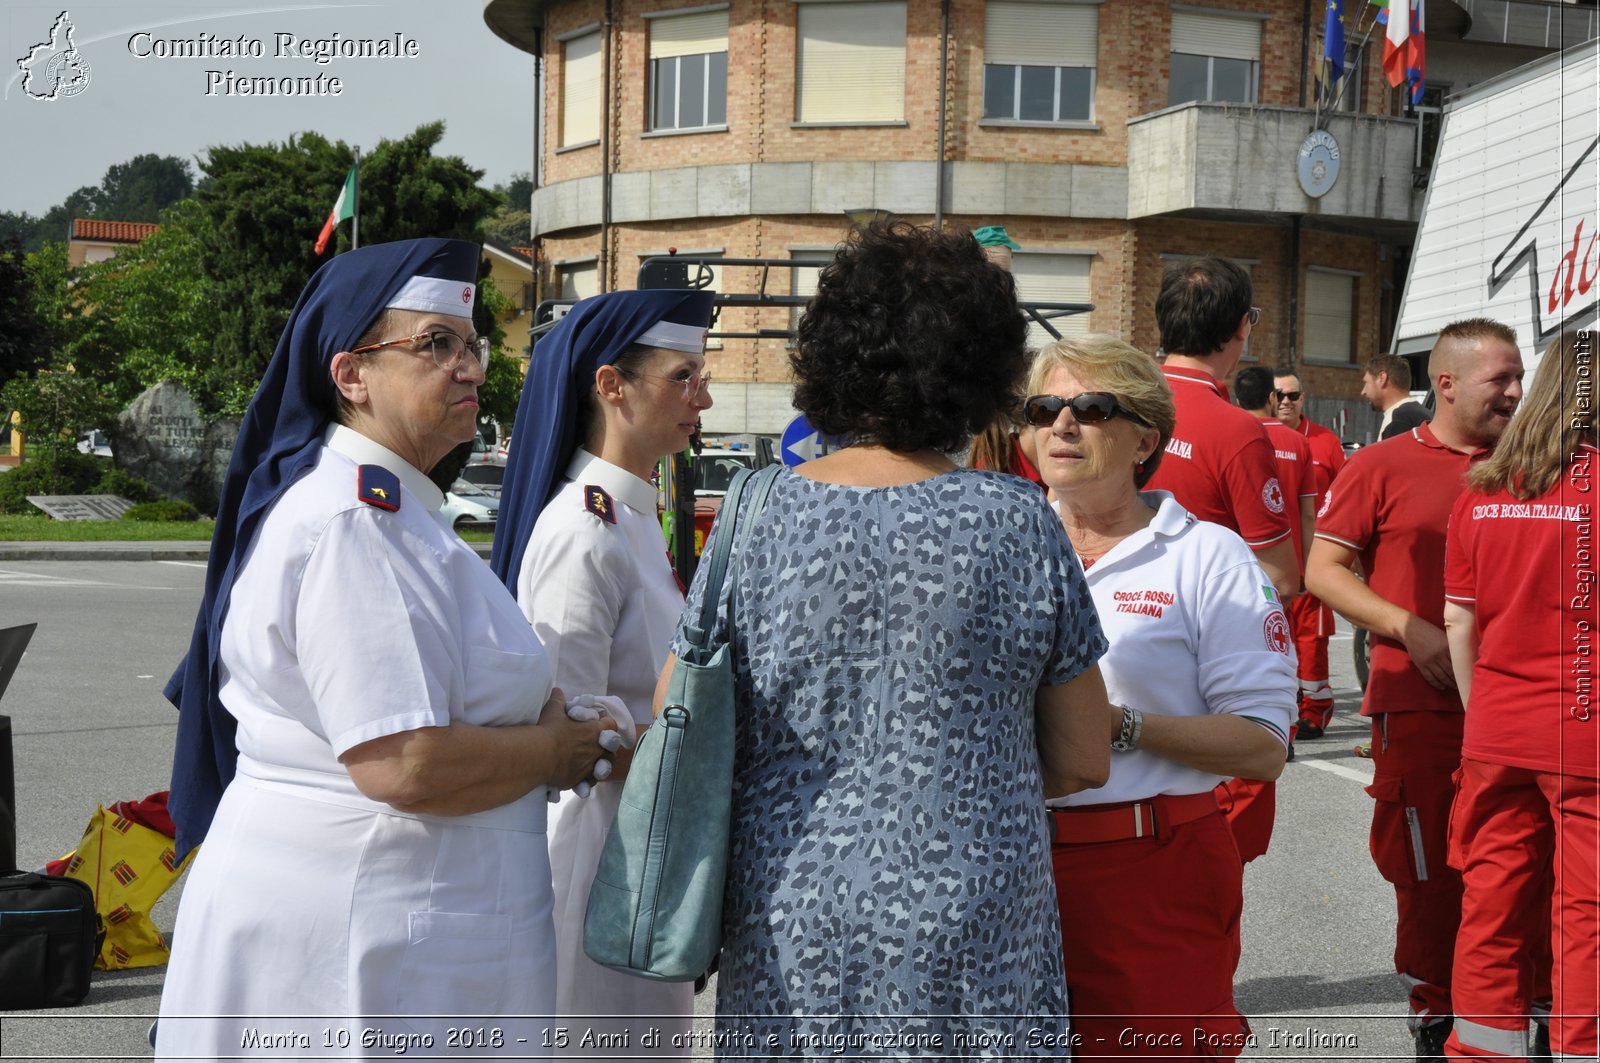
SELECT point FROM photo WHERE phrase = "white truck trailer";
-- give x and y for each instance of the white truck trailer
(1510, 225)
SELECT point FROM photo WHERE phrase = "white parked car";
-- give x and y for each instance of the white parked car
(466, 505)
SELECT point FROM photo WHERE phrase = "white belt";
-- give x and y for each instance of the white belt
(526, 815)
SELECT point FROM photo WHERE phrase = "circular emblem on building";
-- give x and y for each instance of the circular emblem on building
(1276, 632)
(1318, 163)
(1272, 495)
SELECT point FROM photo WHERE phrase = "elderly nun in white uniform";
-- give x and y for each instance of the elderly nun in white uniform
(367, 728)
(617, 385)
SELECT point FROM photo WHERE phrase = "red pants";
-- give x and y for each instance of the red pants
(1527, 844)
(1415, 755)
(1312, 623)
(1252, 808)
(1150, 930)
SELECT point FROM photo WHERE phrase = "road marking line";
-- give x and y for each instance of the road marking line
(185, 564)
(34, 578)
(1338, 769)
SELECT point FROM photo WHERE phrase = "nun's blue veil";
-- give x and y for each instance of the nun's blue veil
(594, 333)
(278, 441)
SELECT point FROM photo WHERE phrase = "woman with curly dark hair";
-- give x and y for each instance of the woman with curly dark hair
(915, 655)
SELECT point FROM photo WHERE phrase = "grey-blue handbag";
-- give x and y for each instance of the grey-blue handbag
(655, 908)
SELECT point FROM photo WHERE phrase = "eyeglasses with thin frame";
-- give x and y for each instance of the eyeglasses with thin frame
(1088, 407)
(692, 384)
(445, 348)
(1288, 396)
(1254, 315)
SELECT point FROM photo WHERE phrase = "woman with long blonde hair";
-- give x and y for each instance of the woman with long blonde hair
(1522, 619)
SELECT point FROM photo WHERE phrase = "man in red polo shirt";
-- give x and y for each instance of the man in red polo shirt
(1310, 619)
(1220, 465)
(1297, 472)
(1390, 508)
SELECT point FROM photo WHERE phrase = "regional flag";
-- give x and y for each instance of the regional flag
(343, 208)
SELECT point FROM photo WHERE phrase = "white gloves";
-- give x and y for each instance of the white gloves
(589, 707)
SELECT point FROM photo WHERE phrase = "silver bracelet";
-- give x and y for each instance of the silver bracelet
(1132, 729)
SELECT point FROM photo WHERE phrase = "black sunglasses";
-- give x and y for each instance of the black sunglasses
(1292, 396)
(1088, 407)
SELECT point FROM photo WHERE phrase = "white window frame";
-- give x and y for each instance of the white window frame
(1092, 65)
(680, 63)
(1219, 17)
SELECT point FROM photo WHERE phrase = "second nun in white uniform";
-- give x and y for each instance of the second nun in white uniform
(616, 386)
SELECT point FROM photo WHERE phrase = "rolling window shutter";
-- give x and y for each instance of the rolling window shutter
(697, 34)
(852, 62)
(1023, 34)
(580, 90)
(1053, 279)
(1330, 301)
(1215, 35)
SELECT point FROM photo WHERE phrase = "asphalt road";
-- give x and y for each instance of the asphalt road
(90, 727)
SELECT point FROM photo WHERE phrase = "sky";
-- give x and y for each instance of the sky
(136, 99)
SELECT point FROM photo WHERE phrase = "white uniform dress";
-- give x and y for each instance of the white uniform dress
(604, 602)
(1195, 630)
(349, 921)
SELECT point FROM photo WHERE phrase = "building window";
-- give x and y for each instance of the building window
(1330, 315)
(689, 70)
(803, 279)
(1039, 61)
(1347, 93)
(580, 89)
(1047, 277)
(580, 280)
(1214, 57)
(851, 65)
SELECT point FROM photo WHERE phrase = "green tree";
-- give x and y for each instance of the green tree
(54, 407)
(136, 190)
(151, 317)
(264, 205)
(141, 188)
(26, 339)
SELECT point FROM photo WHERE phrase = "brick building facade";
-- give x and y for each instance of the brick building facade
(1110, 139)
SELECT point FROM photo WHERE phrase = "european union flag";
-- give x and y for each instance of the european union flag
(1333, 42)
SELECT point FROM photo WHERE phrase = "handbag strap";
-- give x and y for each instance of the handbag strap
(725, 555)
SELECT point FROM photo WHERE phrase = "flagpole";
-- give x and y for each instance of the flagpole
(1355, 71)
(355, 211)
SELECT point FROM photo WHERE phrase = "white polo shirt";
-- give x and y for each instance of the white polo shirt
(1195, 629)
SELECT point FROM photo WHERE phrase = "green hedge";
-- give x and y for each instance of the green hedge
(163, 510)
(66, 472)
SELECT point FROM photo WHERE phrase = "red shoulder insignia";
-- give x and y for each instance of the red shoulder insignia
(377, 486)
(596, 501)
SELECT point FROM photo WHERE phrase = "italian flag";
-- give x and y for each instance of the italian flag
(343, 208)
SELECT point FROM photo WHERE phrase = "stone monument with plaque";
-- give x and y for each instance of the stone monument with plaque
(162, 438)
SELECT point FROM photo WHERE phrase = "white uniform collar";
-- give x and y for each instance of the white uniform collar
(365, 451)
(1170, 520)
(619, 483)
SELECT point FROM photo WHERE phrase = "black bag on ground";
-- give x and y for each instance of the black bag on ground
(49, 937)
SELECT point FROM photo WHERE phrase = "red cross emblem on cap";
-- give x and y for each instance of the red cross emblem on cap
(466, 294)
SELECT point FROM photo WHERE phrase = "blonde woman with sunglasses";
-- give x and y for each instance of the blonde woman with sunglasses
(1148, 877)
